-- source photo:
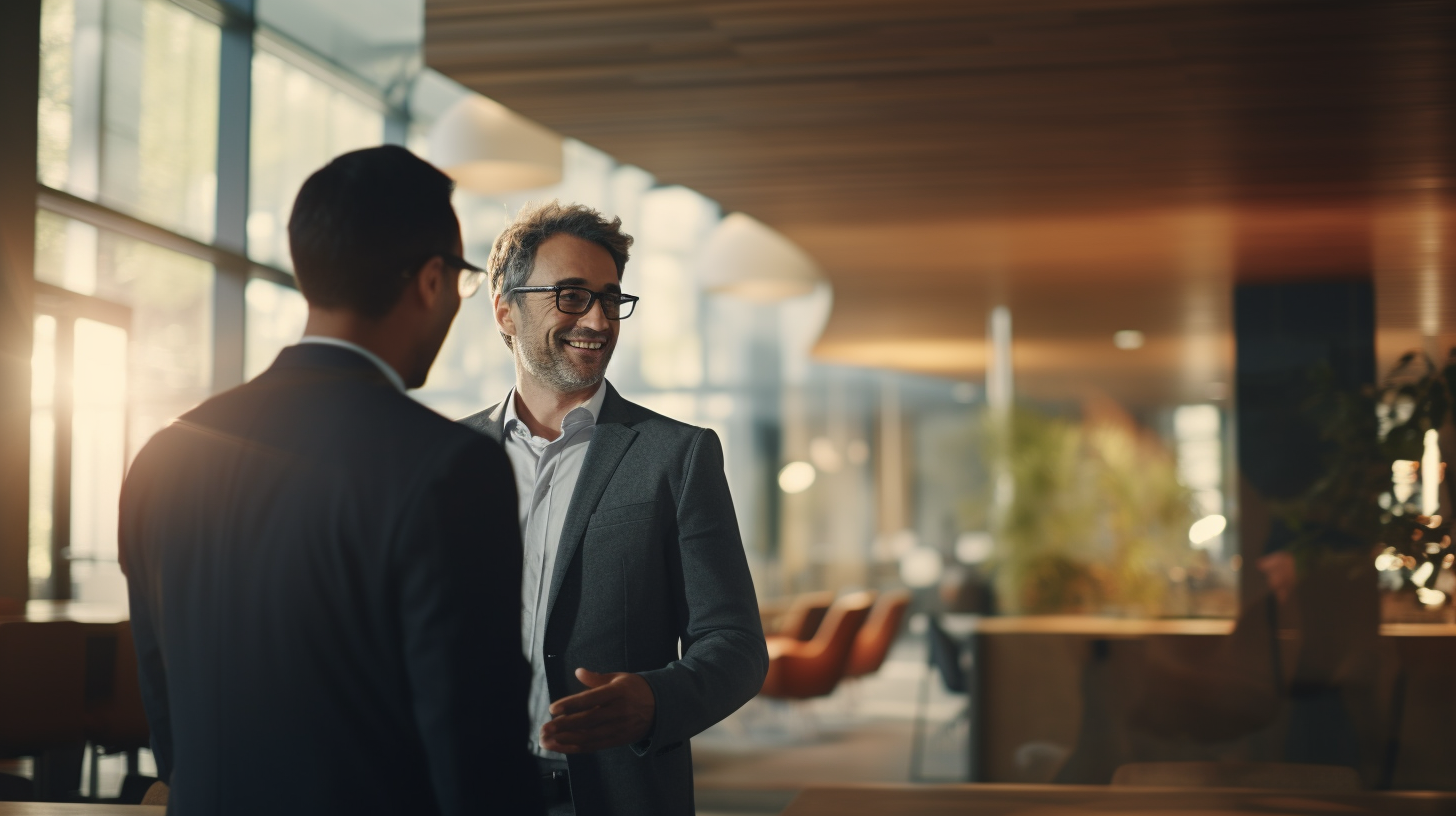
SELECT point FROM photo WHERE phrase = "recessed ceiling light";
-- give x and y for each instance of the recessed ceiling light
(1128, 339)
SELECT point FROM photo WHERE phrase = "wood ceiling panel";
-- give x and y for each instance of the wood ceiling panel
(1095, 164)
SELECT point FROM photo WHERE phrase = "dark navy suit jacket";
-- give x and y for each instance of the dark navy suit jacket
(325, 596)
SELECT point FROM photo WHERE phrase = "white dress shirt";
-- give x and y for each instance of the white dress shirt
(385, 368)
(546, 474)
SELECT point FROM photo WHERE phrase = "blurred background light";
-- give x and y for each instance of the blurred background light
(921, 567)
(973, 548)
(1128, 339)
(824, 454)
(1423, 574)
(796, 477)
(747, 259)
(489, 149)
(1206, 529)
(1388, 561)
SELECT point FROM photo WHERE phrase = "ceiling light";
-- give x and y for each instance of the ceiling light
(746, 258)
(490, 149)
(1128, 339)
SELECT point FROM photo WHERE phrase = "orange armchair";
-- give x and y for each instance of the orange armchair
(799, 669)
(804, 615)
(875, 638)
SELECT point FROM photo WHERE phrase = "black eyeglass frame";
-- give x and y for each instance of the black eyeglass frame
(629, 301)
(471, 276)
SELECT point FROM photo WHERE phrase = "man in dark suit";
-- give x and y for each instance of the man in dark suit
(631, 542)
(323, 572)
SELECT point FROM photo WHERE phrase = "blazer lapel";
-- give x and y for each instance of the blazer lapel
(610, 440)
(490, 422)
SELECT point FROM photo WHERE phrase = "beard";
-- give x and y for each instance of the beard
(550, 363)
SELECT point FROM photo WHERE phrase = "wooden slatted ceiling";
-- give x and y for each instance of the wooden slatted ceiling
(1096, 164)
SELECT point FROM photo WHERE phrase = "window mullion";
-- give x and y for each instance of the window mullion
(233, 136)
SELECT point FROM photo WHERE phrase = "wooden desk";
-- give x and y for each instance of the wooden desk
(68, 809)
(1079, 800)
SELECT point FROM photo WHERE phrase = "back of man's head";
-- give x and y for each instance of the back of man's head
(364, 223)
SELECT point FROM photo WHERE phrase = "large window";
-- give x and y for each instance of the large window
(128, 112)
(301, 119)
(275, 319)
(123, 343)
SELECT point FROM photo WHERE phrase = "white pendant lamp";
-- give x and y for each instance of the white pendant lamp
(746, 258)
(489, 149)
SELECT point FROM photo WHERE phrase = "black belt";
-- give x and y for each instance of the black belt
(555, 782)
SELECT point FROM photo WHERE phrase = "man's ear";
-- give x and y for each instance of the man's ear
(430, 282)
(504, 320)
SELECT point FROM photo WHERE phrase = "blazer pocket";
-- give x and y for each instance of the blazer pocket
(622, 514)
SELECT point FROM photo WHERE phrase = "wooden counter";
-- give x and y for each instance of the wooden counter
(1042, 685)
(1104, 627)
(1076, 800)
(68, 809)
(78, 611)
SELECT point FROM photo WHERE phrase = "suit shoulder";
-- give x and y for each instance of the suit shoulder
(480, 421)
(650, 423)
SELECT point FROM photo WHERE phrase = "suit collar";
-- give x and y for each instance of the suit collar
(610, 441)
(329, 357)
(613, 435)
(614, 410)
(384, 368)
(587, 412)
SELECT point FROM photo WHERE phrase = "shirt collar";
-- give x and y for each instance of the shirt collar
(584, 415)
(384, 368)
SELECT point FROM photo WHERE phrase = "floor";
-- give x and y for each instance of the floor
(756, 761)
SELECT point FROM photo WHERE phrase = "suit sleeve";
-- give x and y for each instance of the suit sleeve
(151, 670)
(724, 658)
(460, 608)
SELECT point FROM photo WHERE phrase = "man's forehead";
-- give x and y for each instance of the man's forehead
(567, 260)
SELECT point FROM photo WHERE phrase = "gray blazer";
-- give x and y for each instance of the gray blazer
(650, 557)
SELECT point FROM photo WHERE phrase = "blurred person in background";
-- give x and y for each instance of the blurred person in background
(323, 572)
(632, 544)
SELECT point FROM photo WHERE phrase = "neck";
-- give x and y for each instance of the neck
(543, 408)
(381, 338)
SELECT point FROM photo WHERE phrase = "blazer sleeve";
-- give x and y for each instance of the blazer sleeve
(724, 658)
(460, 609)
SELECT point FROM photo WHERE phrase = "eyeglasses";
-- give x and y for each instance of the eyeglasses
(471, 276)
(579, 300)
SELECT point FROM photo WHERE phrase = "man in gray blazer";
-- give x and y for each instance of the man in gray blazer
(638, 612)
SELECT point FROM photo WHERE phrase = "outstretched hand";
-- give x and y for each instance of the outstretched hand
(616, 709)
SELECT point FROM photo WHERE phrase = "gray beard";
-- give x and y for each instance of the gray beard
(549, 365)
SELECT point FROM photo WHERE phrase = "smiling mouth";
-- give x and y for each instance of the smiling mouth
(584, 344)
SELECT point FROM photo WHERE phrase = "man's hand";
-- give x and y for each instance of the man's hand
(616, 709)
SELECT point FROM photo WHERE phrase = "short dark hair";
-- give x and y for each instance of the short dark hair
(364, 222)
(514, 253)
